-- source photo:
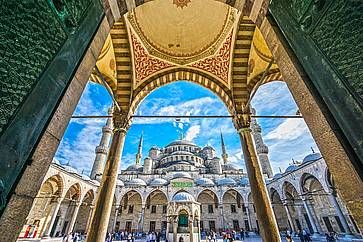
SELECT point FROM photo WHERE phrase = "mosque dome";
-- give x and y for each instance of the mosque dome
(277, 176)
(208, 147)
(181, 174)
(85, 177)
(182, 152)
(183, 197)
(137, 182)
(158, 182)
(226, 182)
(244, 181)
(120, 183)
(291, 168)
(312, 157)
(204, 182)
(70, 169)
(180, 142)
(134, 167)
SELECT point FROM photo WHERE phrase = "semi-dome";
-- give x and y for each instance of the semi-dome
(244, 181)
(312, 157)
(181, 174)
(137, 182)
(291, 168)
(158, 182)
(134, 167)
(277, 176)
(120, 183)
(204, 182)
(226, 182)
(183, 197)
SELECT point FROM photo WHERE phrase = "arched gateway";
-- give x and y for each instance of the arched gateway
(218, 44)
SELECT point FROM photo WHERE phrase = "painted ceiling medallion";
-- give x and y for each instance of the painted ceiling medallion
(181, 3)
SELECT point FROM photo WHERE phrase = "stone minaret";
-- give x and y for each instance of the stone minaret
(139, 150)
(224, 151)
(261, 148)
(102, 149)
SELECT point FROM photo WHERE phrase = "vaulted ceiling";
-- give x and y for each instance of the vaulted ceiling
(203, 41)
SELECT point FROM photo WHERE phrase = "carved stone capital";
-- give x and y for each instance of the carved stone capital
(121, 121)
(242, 122)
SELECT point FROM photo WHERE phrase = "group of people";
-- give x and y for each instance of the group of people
(153, 237)
(303, 235)
(227, 235)
(73, 237)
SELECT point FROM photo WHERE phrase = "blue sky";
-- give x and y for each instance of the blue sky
(286, 138)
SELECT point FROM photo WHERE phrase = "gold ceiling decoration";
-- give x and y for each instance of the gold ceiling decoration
(182, 36)
(181, 3)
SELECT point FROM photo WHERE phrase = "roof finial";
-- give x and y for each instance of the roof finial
(293, 161)
(224, 151)
(280, 170)
(139, 149)
(312, 149)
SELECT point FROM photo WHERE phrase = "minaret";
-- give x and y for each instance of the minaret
(224, 151)
(139, 151)
(261, 148)
(102, 149)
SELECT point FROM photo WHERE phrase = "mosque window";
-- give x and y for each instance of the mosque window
(153, 209)
(131, 209)
(210, 208)
(212, 225)
(244, 208)
(164, 208)
(233, 208)
(152, 226)
(236, 225)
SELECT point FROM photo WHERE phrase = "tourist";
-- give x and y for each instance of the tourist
(242, 234)
(306, 235)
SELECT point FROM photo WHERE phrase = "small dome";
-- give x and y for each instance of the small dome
(70, 169)
(154, 148)
(120, 183)
(208, 147)
(158, 182)
(204, 182)
(135, 167)
(97, 183)
(277, 176)
(291, 168)
(183, 197)
(137, 182)
(312, 157)
(85, 177)
(244, 181)
(226, 182)
(181, 174)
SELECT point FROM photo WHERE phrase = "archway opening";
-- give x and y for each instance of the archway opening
(130, 211)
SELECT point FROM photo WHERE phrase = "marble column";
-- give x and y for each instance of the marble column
(265, 215)
(142, 216)
(74, 217)
(98, 229)
(115, 219)
(248, 216)
(89, 217)
(49, 227)
(175, 229)
(289, 218)
(310, 215)
(221, 221)
(191, 228)
(343, 220)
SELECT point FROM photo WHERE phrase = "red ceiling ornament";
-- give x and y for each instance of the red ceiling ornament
(145, 65)
(181, 3)
(218, 64)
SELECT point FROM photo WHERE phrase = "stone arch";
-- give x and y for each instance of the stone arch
(272, 75)
(279, 210)
(307, 180)
(48, 195)
(84, 213)
(234, 206)
(155, 210)
(183, 74)
(209, 192)
(130, 211)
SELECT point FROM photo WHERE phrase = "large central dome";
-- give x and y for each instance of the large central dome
(182, 32)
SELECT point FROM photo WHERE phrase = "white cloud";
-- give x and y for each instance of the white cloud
(290, 129)
(192, 132)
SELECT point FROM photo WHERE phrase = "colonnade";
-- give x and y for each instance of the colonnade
(264, 212)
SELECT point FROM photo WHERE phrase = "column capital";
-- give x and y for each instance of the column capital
(242, 122)
(121, 121)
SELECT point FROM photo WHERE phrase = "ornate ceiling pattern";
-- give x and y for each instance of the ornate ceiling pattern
(144, 64)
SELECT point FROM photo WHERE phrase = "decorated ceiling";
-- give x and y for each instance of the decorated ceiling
(206, 38)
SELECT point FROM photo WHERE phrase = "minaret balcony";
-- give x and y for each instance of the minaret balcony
(101, 150)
